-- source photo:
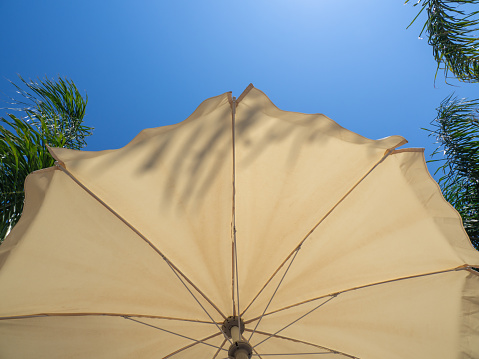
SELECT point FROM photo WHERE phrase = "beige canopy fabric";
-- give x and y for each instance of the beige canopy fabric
(327, 244)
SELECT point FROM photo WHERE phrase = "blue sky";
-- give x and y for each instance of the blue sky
(150, 63)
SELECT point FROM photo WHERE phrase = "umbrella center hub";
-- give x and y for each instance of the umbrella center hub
(231, 322)
(233, 327)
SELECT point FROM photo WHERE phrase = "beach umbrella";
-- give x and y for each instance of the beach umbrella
(243, 231)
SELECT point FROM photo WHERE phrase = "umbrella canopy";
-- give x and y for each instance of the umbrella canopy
(314, 239)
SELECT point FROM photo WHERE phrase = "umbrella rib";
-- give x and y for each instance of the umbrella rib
(233, 217)
(42, 315)
(233, 202)
(270, 279)
(126, 316)
(233, 277)
(237, 280)
(196, 343)
(472, 271)
(463, 267)
(282, 337)
(170, 332)
(129, 225)
(296, 320)
(199, 303)
(290, 354)
(218, 351)
(271, 299)
(254, 349)
(386, 154)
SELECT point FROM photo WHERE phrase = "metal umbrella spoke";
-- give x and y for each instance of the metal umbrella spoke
(219, 349)
(199, 303)
(464, 267)
(237, 279)
(175, 270)
(235, 272)
(196, 341)
(296, 320)
(292, 354)
(255, 352)
(321, 347)
(321, 221)
(289, 354)
(275, 291)
(100, 314)
(233, 214)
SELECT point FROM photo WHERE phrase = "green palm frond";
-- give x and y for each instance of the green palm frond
(58, 105)
(453, 34)
(456, 130)
(52, 114)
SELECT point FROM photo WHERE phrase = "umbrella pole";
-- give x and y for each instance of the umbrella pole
(235, 334)
(240, 349)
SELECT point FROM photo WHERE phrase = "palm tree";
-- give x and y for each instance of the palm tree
(456, 129)
(452, 29)
(452, 33)
(51, 113)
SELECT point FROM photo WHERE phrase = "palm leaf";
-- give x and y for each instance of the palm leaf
(456, 130)
(453, 35)
(52, 114)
